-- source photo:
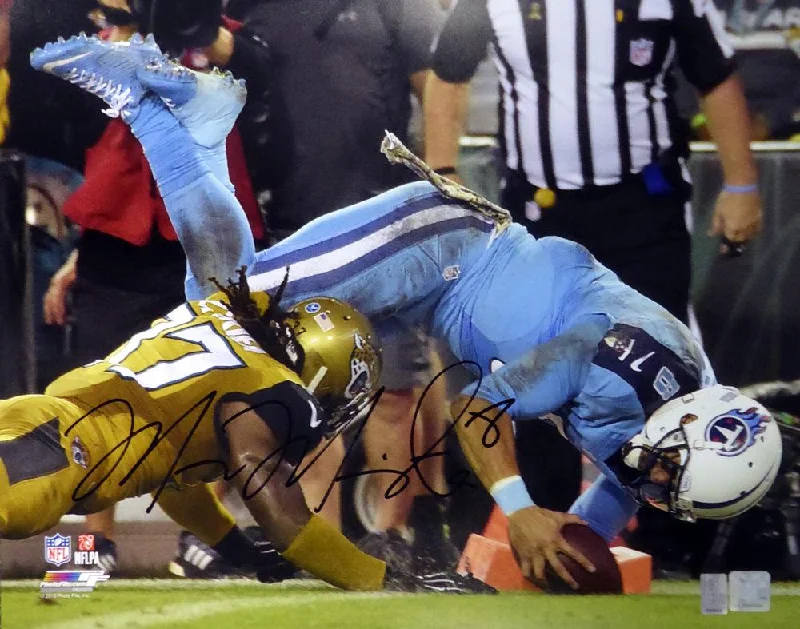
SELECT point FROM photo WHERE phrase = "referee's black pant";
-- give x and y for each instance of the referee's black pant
(642, 238)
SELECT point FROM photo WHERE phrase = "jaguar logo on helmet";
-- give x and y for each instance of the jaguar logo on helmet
(736, 430)
(360, 373)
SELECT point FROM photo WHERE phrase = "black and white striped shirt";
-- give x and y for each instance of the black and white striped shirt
(586, 84)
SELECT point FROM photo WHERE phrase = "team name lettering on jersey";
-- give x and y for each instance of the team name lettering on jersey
(230, 326)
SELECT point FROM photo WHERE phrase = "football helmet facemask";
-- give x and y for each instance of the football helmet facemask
(341, 363)
(712, 454)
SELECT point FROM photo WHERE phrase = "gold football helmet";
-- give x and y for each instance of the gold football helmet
(342, 355)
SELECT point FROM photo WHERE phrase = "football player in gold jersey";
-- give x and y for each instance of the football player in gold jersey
(217, 388)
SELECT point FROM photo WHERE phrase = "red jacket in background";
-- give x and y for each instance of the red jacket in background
(120, 198)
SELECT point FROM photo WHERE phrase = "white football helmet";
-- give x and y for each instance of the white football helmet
(720, 451)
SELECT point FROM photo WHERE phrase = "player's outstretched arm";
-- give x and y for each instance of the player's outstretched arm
(277, 503)
(487, 439)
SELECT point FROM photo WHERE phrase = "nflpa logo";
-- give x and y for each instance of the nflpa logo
(86, 554)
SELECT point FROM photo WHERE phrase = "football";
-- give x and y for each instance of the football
(605, 580)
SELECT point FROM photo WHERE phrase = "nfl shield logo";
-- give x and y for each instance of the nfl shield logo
(641, 52)
(57, 549)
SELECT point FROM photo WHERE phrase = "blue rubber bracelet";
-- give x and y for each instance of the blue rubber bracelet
(511, 495)
(740, 189)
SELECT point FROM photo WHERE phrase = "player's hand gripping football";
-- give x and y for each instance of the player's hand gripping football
(535, 536)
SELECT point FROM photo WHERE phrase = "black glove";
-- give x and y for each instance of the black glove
(389, 547)
(440, 583)
(397, 580)
(445, 582)
(462, 583)
(258, 555)
(272, 567)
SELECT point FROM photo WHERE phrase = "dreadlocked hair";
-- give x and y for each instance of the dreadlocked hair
(273, 329)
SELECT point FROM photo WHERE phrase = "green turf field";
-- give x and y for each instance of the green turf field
(129, 604)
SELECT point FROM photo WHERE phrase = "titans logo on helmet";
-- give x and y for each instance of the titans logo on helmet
(736, 430)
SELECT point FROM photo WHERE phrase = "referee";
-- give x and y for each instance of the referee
(593, 146)
(594, 151)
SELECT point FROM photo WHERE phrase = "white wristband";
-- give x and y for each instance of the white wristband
(511, 495)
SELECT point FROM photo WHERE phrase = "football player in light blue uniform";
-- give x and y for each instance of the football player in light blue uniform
(540, 322)
(547, 330)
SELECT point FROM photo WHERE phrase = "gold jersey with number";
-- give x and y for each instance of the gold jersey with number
(148, 409)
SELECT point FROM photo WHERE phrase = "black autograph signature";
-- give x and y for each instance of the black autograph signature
(88, 485)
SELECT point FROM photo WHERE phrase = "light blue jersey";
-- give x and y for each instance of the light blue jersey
(393, 257)
(540, 322)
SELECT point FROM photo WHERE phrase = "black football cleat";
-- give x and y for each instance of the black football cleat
(197, 560)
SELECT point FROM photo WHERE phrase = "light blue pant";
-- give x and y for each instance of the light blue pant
(206, 215)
